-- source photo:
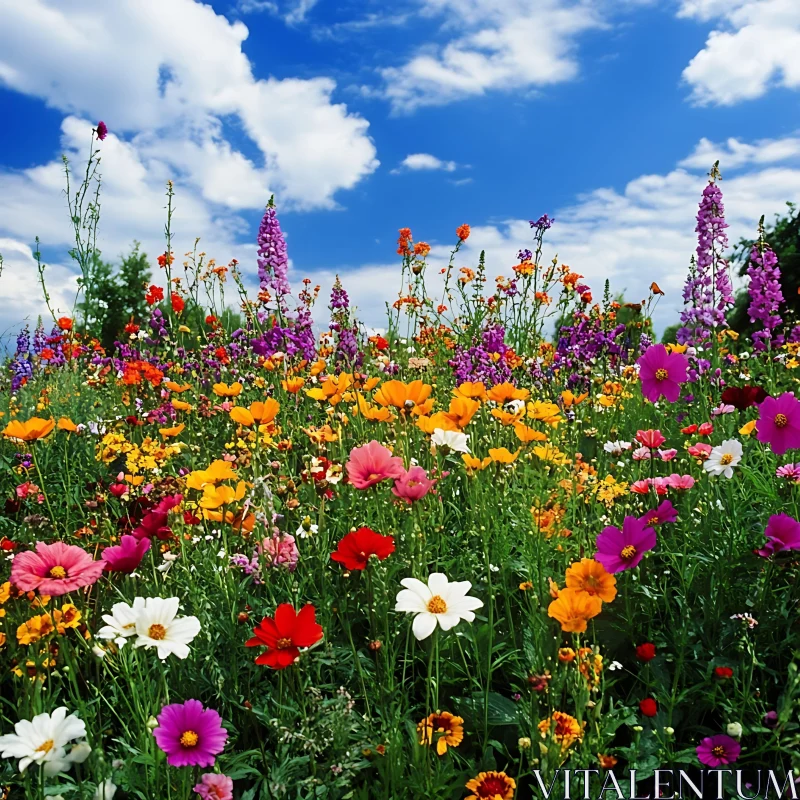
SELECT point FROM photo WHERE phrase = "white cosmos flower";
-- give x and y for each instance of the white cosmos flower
(121, 622)
(455, 440)
(724, 458)
(616, 448)
(43, 740)
(439, 602)
(157, 626)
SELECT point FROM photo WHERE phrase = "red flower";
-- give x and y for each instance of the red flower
(7, 545)
(723, 673)
(743, 397)
(462, 231)
(165, 259)
(689, 429)
(131, 327)
(648, 707)
(155, 294)
(65, 323)
(211, 320)
(177, 303)
(191, 519)
(356, 548)
(706, 429)
(284, 635)
(47, 353)
(646, 651)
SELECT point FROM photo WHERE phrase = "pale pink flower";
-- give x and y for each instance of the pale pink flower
(680, 482)
(280, 550)
(371, 464)
(55, 569)
(641, 454)
(214, 787)
(412, 485)
(667, 455)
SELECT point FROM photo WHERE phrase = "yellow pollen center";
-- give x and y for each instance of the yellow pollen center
(157, 632)
(628, 552)
(373, 476)
(437, 605)
(726, 459)
(661, 374)
(58, 572)
(283, 644)
(781, 421)
(45, 747)
(592, 582)
(718, 751)
(189, 738)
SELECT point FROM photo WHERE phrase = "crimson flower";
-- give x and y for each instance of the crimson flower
(743, 397)
(646, 652)
(723, 673)
(648, 707)
(354, 551)
(284, 634)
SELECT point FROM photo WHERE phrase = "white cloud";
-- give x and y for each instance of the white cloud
(755, 46)
(170, 74)
(417, 162)
(292, 13)
(734, 153)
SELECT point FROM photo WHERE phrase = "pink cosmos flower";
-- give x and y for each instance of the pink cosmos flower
(667, 455)
(641, 487)
(662, 373)
(641, 454)
(680, 482)
(280, 550)
(783, 533)
(723, 408)
(700, 450)
(214, 787)
(371, 464)
(665, 512)
(55, 569)
(660, 485)
(413, 485)
(650, 438)
(779, 423)
(706, 429)
(719, 749)
(190, 735)
(618, 550)
(791, 472)
(125, 556)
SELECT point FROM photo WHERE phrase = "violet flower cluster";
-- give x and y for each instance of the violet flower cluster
(347, 352)
(581, 344)
(480, 361)
(765, 297)
(273, 260)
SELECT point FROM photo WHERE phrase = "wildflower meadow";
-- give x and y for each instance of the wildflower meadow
(248, 555)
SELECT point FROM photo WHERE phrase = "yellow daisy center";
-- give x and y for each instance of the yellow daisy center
(437, 605)
(283, 644)
(781, 421)
(157, 632)
(189, 739)
(661, 374)
(628, 552)
(45, 747)
(57, 572)
(726, 459)
(718, 751)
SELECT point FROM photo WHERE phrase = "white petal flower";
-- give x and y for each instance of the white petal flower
(106, 790)
(454, 440)
(158, 626)
(121, 622)
(437, 602)
(724, 458)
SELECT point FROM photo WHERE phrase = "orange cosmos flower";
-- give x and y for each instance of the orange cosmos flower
(449, 731)
(293, 385)
(408, 397)
(320, 435)
(180, 405)
(223, 390)
(438, 420)
(569, 399)
(491, 786)
(545, 412)
(462, 410)
(462, 231)
(216, 496)
(474, 390)
(566, 730)
(65, 323)
(502, 455)
(573, 609)
(176, 387)
(504, 392)
(527, 435)
(258, 414)
(30, 430)
(372, 413)
(475, 464)
(173, 431)
(590, 576)
(66, 424)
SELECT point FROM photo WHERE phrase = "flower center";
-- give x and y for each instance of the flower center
(661, 374)
(283, 644)
(157, 632)
(592, 582)
(373, 476)
(628, 552)
(437, 605)
(653, 520)
(45, 747)
(57, 572)
(718, 751)
(726, 459)
(189, 739)
(491, 787)
(781, 421)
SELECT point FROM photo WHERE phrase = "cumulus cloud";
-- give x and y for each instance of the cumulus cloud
(735, 153)
(417, 162)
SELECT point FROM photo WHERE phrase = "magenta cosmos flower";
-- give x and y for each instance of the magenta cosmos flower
(214, 787)
(55, 569)
(719, 749)
(783, 533)
(125, 556)
(665, 512)
(189, 734)
(371, 464)
(412, 485)
(102, 130)
(618, 550)
(662, 373)
(779, 422)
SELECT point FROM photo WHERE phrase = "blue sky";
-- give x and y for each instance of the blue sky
(605, 114)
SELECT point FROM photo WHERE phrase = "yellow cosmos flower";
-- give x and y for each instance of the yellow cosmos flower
(502, 455)
(223, 390)
(216, 496)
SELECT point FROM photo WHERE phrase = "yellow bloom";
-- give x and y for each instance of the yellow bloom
(475, 464)
(219, 470)
(527, 435)
(545, 412)
(173, 431)
(472, 390)
(35, 629)
(448, 729)
(66, 617)
(180, 405)
(573, 609)
(30, 430)
(216, 496)
(550, 453)
(293, 385)
(565, 730)
(223, 390)
(748, 427)
(502, 455)
(176, 387)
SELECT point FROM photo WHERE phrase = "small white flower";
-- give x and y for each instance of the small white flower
(106, 790)
(724, 458)
(157, 626)
(515, 406)
(307, 528)
(734, 729)
(616, 448)
(437, 602)
(454, 440)
(614, 666)
(121, 623)
(99, 652)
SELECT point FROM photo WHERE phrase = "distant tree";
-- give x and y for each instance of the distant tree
(670, 335)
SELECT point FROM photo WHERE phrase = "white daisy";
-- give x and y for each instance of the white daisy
(616, 448)
(121, 622)
(439, 602)
(43, 740)
(454, 440)
(724, 458)
(157, 626)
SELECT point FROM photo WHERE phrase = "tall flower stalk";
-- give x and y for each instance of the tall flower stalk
(765, 293)
(273, 259)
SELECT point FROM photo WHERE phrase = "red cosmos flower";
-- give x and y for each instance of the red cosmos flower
(723, 673)
(164, 259)
(706, 429)
(155, 294)
(131, 327)
(285, 634)
(648, 707)
(650, 438)
(65, 323)
(646, 652)
(177, 303)
(689, 429)
(743, 397)
(7, 545)
(354, 551)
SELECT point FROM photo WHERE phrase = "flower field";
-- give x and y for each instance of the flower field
(506, 535)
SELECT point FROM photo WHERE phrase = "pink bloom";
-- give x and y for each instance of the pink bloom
(641, 454)
(791, 472)
(641, 487)
(659, 484)
(680, 482)
(214, 787)
(700, 450)
(618, 550)
(662, 373)
(371, 464)
(783, 533)
(706, 429)
(190, 735)
(125, 556)
(667, 455)
(779, 423)
(101, 130)
(650, 438)
(412, 485)
(280, 550)
(154, 523)
(665, 512)
(719, 749)
(55, 569)
(723, 408)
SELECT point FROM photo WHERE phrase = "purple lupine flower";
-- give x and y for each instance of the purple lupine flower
(273, 260)
(765, 296)
(347, 352)
(543, 223)
(480, 361)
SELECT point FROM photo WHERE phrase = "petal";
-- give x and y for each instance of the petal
(424, 625)
(418, 588)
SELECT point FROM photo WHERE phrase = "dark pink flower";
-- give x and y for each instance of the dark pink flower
(154, 523)
(55, 569)
(779, 423)
(650, 438)
(371, 464)
(618, 550)
(719, 749)
(102, 130)
(412, 485)
(666, 512)
(783, 533)
(700, 450)
(189, 734)
(125, 556)
(662, 373)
